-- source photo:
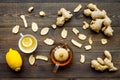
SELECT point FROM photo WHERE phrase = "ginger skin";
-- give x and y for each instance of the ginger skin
(102, 65)
(96, 25)
(60, 21)
(100, 19)
(110, 65)
(64, 16)
(92, 7)
(95, 64)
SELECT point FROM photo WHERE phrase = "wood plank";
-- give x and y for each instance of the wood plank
(11, 15)
(36, 79)
(9, 38)
(53, 1)
(72, 71)
(60, 79)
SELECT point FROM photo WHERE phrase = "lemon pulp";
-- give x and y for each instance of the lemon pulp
(27, 41)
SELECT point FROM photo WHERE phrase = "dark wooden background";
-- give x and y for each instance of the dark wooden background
(10, 11)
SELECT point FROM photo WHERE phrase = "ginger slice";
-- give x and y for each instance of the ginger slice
(82, 58)
(64, 33)
(44, 31)
(34, 27)
(42, 13)
(15, 29)
(88, 47)
(90, 40)
(54, 26)
(82, 36)
(85, 25)
(104, 41)
(75, 31)
(31, 59)
(30, 9)
(77, 9)
(45, 58)
(24, 20)
(49, 41)
(76, 43)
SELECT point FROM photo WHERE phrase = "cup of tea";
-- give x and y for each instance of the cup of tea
(61, 55)
(27, 43)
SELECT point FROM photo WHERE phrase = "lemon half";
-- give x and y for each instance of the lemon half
(27, 41)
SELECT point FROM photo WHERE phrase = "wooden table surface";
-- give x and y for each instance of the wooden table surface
(10, 11)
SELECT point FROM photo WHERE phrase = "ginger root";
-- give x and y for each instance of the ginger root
(64, 16)
(102, 65)
(110, 65)
(96, 25)
(94, 12)
(100, 20)
(95, 64)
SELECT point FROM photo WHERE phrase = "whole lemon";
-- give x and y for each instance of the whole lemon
(14, 59)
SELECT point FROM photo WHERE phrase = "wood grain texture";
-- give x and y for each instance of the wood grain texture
(10, 16)
(54, 1)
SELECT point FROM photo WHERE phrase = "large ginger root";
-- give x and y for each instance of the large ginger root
(108, 61)
(108, 31)
(96, 25)
(65, 16)
(95, 14)
(100, 19)
(92, 7)
(110, 65)
(95, 64)
(108, 55)
(102, 65)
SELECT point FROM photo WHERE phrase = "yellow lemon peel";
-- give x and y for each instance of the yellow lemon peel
(14, 59)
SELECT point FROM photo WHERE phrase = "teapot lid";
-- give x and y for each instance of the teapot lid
(61, 54)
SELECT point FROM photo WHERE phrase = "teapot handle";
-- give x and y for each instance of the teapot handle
(56, 68)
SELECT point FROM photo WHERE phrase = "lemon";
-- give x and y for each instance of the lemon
(27, 41)
(13, 59)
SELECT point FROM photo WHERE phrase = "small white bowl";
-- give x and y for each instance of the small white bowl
(20, 43)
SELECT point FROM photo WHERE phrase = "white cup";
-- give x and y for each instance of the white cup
(27, 43)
